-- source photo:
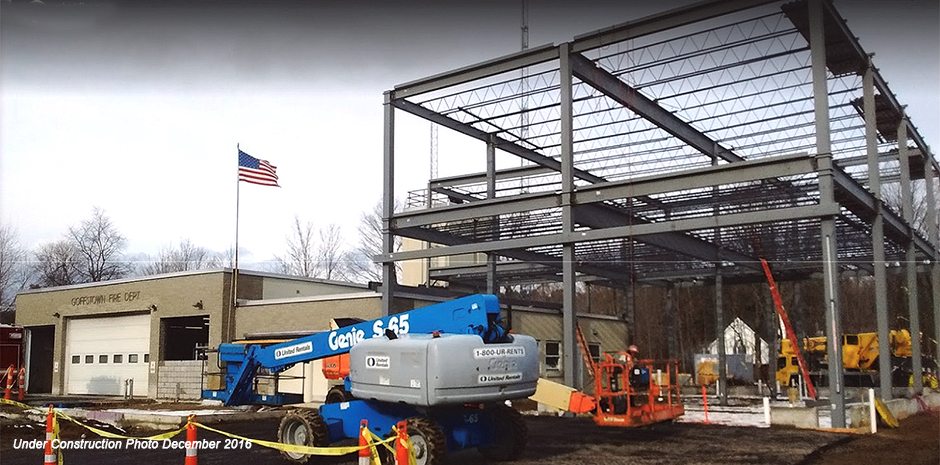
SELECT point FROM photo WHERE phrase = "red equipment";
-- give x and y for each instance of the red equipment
(631, 393)
(791, 335)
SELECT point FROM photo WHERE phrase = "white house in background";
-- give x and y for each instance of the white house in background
(739, 339)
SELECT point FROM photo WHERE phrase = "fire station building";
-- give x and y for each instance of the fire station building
(145, 336)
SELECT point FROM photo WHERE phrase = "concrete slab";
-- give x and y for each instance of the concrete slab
(800, 417)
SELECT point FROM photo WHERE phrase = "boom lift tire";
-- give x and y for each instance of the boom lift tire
(511, 434)
(337, 394)
(303, 427)
(427, 440)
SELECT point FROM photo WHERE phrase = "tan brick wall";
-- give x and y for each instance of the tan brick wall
(303, 315)
(611, 334)
(172, 296)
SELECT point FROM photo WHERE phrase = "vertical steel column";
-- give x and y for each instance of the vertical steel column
(669, 321)
(907, 210)
(828, 225)
(629, 315)
(934, 235)
(388, 206)
(491, 284)
(720, 329)
(877, 233)
(569, 314)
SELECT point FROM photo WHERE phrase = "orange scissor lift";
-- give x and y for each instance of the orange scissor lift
(631, 393)
(628, 392)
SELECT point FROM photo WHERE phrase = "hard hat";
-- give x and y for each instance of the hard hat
(633, 348)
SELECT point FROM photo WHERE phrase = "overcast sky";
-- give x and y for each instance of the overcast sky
(138, 109)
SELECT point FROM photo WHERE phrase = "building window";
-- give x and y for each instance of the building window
(146, 358)
(595, 350)
(102, 359)
(76, 359)
(188, 334)
(89, 359)
(552, 356)
(132, 358)
(118, 358)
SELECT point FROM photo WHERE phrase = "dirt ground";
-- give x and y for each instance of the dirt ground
(566, 441)
(916, 442)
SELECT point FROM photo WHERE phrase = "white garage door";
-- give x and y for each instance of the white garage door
(101, 353)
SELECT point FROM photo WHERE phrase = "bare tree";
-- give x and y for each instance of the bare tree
(57, 264)
(919, 202)
(361, 265)
(300, 259)
(13, 269)
(331, 258)
(99, 245)
(185, 257)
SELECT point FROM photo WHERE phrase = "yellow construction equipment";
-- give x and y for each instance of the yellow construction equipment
(859, 353)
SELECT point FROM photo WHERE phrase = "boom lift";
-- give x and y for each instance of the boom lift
(446, 369)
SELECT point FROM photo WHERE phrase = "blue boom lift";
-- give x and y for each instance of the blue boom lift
(447, 369)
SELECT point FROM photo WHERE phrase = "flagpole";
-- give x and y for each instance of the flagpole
(235, 264)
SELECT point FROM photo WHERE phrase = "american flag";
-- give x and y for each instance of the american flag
(255, 171)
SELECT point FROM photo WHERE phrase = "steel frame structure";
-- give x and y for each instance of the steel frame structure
(685, 144)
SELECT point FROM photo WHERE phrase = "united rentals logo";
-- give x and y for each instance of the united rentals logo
(296, 349)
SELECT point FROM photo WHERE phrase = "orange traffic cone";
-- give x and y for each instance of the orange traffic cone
(9, 389)
(365, 454)
(401, 444)
(21, 390)
(49, 457)
(191, 451)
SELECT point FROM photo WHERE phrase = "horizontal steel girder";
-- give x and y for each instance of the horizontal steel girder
(689, 224)
(439, 237)
(619, 91)
(862, 203)
(750, 170)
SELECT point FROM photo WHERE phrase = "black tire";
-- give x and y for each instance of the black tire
(427, 441)
(304, 427)
(512, 434)
(337, 394)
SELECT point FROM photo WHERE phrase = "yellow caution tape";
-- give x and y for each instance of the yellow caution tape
(297, 448)
(20, 405)
(108, 434)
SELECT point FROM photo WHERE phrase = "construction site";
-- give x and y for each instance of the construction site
(719, 145)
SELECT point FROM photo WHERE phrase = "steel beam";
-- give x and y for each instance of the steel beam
(934, 234)
(907, 211)
(750, 170)
(619, 91)
(439, 237)
(843, 29)
(484, 136)
(720, 337)
(661, 22)
(572, 366)
(690, 224)
(596, 217)
(476, 178)
(877, 233)
(389, 280)
(828, 225)
(861, 202)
